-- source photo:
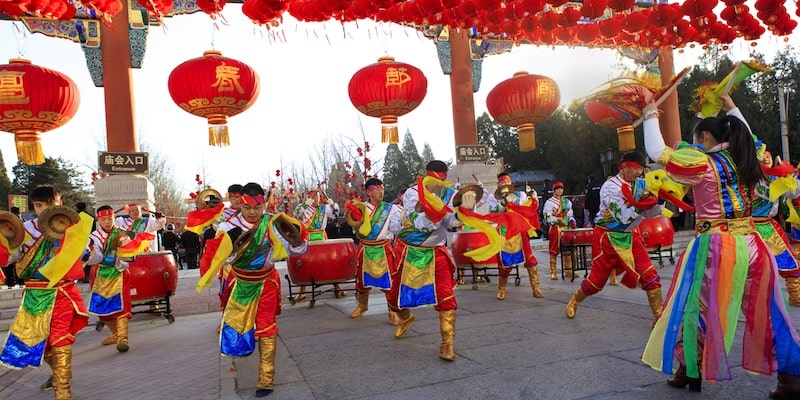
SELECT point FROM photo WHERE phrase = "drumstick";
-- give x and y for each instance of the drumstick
(667, 92)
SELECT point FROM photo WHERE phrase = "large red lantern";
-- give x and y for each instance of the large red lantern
(612, 117)
(620, 104)
(214, 87)
(33, 100)
(387, 90)
(522, 102)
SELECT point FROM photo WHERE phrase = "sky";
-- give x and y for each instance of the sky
(304, 71)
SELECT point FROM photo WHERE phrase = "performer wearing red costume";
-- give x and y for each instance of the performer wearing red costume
(557, 212)
(616, 244)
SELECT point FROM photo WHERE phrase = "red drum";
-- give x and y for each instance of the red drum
(577, 236)
(326, 261)
(154, 276)
(464, 241)
(657, 231)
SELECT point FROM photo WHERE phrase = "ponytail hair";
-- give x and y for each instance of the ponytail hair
(740, 145)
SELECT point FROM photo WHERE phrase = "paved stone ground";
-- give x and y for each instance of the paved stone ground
(520, 348)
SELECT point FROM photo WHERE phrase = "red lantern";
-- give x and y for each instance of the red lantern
(619, 105)
(33, 100)
(387, 90)
(523, 101)
(214, 87)
(610, 117)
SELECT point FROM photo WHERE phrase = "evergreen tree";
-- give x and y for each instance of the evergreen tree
(427, 155)
(396, 175)
(5, 184)
(55, 172)
(411, 155)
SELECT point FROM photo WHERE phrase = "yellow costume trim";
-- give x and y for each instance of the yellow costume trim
(495, 240)
(781, 186)
(223, 252)
(73, 244)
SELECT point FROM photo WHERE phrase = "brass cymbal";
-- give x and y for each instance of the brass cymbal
(468, 188)
(11, 227)
(55, 220)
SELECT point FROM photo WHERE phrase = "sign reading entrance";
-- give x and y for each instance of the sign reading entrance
(472, 152)
(122, 163)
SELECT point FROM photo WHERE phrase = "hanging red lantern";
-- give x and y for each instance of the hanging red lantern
(214, 87)
(610, 117)
(33, 100)
(523, 101)
(619, 105)
(387, 90)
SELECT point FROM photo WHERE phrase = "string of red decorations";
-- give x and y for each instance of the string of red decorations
(606, 23)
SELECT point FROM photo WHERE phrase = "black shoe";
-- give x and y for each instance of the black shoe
(263, 392)
(680, 380)
(47, 385)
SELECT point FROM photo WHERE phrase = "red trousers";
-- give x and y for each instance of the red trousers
(269, 306)
(126, 300)
(606, 259)
(390, 259)
(444, 276)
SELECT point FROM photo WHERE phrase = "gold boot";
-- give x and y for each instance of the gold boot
(501, 288)
(111, 339)
(572, 306)
(404, 324)
(613, 278)
(569, 273)
(266, 366)
(447, 327)
(533, 277)
(553, 268)
(656, 303)
(793, 288)
(62, 372)
(363, 301)
(393, 318)
(122, 334)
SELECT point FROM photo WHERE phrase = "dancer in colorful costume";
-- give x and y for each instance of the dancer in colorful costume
(726, 270)
(315, 215)
(616, 243)
(255, 295)
(557, 212)
(516, 249)
(112, 250)
(425, 274)
(52, 309)
(782, 183)
(376, 222)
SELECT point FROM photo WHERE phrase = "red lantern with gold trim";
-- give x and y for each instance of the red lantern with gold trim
(214, 87)
(522, 102)
(33, 100)
(605, 115)
(387, 90)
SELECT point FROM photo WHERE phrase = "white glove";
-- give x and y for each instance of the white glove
(330, 202)
(528, 189)
(121, 264)
(309, 202)
(468, 200)
(511, 197)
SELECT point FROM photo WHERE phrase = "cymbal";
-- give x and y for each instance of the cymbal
(11, 227)
(468, 188)
(289, 230)
(55, 220)
(503, 190)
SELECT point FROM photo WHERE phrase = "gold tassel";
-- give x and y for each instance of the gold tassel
(390, 134)
(626, 139)
(218, 136)
(29, 148)
(527, 137)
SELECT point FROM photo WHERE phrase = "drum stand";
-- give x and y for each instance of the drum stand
(581, 258)
(659, 253)
(314, 286)
(480, 273)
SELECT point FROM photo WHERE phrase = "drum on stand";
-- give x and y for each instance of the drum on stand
(578, 243)
(326, 262)
(577, 236)
(659, 235)
(464, 241)
(153, 279)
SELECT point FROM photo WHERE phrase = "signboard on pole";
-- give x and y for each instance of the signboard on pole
(472, 152)
(18, 200)
(112, 162)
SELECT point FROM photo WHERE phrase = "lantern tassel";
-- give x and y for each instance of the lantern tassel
(218, 136)
(29, 148)
(390, 134)
(527, 137)
(626, 139)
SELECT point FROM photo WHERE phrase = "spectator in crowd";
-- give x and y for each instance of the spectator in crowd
(591, 199)
(191, 248)
(171, 240)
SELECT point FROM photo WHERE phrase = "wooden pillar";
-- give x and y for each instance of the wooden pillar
(118, 83)
(670, 121)
(466, 132)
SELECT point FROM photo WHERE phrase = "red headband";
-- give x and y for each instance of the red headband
(630, 164)
(370, 187)
(252, 200)
(438, 175)
(105, 213)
